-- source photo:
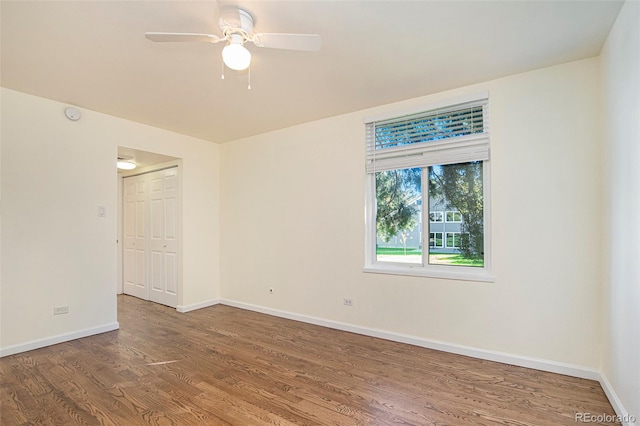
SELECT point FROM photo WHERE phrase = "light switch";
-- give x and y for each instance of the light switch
(102, 211)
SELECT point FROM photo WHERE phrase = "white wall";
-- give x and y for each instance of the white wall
(293, 217)
(621, 78)
(55, 249)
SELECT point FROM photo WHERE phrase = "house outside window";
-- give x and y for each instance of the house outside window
(439, 156)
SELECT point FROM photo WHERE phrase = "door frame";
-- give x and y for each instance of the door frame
(120, 235)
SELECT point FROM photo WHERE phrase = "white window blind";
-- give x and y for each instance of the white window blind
(453, 134)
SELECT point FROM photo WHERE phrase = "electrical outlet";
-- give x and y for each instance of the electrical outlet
(60, 310)
(348, 302)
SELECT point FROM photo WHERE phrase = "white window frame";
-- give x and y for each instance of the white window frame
(425, 269)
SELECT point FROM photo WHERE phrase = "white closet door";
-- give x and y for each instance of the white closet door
(163, 237)
(135, 237)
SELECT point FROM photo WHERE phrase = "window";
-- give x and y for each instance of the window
(454, 217)
(435, 239)
(436, 157)
(453, 240)
(435, 217)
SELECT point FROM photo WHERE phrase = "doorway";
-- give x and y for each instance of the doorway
(149, 228)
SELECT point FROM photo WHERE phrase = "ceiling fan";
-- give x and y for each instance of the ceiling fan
(237, 29)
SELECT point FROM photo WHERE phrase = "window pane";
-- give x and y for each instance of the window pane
(457, 190)
(435, 216)
(435, 239)
(454, 216)
(451, 239)
(429, 126)
(398, 216)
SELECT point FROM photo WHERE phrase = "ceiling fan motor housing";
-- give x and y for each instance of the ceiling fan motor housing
(240, 23)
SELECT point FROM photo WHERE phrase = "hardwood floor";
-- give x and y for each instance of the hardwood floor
(227, 366)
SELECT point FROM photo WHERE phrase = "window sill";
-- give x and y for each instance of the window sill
(458, 273)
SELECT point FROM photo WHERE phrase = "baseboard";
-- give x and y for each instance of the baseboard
(624, 417)
(61, 338)
(505, 358)
(200, 305)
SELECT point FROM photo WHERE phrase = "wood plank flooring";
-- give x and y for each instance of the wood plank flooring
(227, 366)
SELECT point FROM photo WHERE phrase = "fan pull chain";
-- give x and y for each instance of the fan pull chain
(222, 75)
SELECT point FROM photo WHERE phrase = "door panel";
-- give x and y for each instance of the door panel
(164, 246)
(157, 213)
(171, 273)
(171, 221)
(129, 269)
(140, 274)
(135, 241)
(157, 271)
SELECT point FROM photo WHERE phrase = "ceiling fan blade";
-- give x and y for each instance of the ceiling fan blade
(182, 37)
(309, 42)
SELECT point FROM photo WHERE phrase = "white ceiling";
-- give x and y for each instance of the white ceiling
(93, 54)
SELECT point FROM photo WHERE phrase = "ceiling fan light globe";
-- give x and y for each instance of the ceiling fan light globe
(236, 56)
